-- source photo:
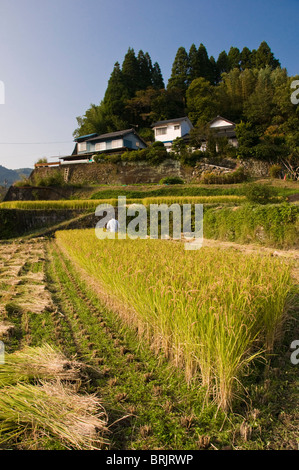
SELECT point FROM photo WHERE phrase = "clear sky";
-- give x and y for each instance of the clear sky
(56, 56)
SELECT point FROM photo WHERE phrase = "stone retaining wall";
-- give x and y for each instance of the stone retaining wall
(141, 172)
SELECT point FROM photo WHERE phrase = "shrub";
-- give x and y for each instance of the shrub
(106, 158)
(23, 182)
(275, 171)
(134, 155)
(237, 176)
(54, 179)
(171, 180)
(158, 145)
(259, 193)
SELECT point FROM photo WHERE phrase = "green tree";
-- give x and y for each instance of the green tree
(169, 103)
(229, 96)
(179, 72)
(259, 107)
(157, 78)
(93, 121)
(131, 73)
(214, 71)
(145, 70)
(116, 93)
(234, 58)
(222, 65)
(194, 64)
(265, 57)
(201, 103)
(247, 139)
(246, 59)
(205, 64)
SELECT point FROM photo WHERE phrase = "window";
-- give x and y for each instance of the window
(117, 143)
(177, 127)
(161, 131)
(82, 147)
(100, 146)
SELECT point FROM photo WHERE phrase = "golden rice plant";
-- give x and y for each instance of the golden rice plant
(209, 311)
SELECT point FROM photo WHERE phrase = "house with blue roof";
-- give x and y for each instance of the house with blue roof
(113, 142)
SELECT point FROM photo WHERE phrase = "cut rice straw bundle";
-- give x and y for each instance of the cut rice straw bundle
(39, 363)
(31, 413)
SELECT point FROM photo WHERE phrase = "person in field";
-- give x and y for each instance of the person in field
(113, 225)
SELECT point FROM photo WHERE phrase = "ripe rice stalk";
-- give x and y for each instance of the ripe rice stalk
(91, 204)
(210, 312)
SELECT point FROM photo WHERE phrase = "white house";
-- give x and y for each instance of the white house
(224, 128)
(168, 131)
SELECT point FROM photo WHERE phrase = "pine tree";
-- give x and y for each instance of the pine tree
(194, 64)
(157, 78)
(246, 59)
(234, 58)
(204, 63)
(130, 71)
(264, 56)
(222, 64)
(179, 72)
(145, 70)
(214, 71)
(116, 93)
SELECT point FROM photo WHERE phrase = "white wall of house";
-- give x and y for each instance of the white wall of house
(170, 131)
(221, 123)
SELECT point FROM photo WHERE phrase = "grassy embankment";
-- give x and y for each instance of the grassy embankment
(227, 218)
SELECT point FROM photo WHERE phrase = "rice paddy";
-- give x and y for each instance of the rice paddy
(209, 314)
(139, 344)
(91, 204)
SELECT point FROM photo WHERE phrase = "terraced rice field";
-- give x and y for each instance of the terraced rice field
(141, 398)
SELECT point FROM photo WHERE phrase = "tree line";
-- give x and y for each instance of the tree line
(248, 87)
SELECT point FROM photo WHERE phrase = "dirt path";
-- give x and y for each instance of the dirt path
(249, 249)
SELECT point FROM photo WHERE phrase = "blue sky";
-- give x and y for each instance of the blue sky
(56, 56)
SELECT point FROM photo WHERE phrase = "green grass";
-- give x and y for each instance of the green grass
(270, 225)
(185, 191)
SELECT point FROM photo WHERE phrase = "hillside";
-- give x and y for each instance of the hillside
(8, 177)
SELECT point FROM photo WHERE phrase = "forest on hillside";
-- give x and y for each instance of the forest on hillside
(248, 87)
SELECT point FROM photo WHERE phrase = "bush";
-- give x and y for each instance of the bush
(55, 179)
(275, 171)
(237, 176)
(154, 155)
(158, 145)
(106, 158)
(259, 193)
(134, 155)
(171, 180)
(271, 225)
